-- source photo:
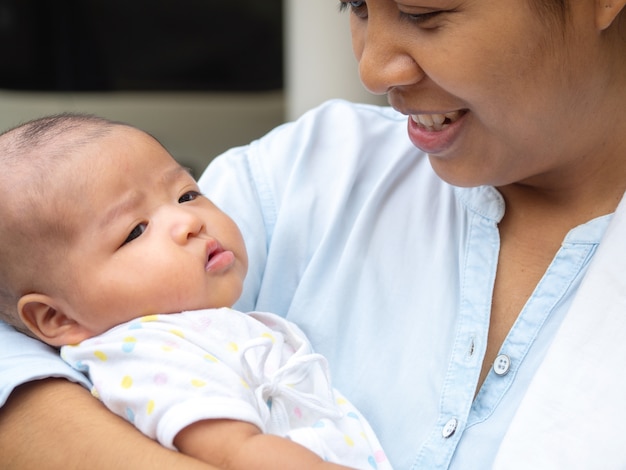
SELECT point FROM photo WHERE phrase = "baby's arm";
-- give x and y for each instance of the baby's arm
(232, 445)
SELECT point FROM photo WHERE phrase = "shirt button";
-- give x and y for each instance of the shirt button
(502, 364)
(449, 428)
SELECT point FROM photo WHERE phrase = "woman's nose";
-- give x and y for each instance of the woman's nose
(383, 51)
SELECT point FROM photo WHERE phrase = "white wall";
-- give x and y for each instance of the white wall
(319, 63)
(195, 127)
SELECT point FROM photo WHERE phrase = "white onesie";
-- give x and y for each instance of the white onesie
(165, 372)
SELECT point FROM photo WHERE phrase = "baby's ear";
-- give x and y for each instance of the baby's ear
(46, 319)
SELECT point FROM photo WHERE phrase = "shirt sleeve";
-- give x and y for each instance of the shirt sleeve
(24, 359)
(229, 183)
(283, 176)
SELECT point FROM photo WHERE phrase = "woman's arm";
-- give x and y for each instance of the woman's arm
(237, 445)
(57, 424)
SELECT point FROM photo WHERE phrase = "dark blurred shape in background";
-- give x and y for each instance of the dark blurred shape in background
(141, 45)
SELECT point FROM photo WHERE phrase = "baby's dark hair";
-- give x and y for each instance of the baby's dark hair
(29, 154)
(44, 130)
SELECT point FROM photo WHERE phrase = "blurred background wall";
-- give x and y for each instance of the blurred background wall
(201, 75)
(319, 63)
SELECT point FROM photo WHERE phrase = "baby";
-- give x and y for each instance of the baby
(105, 240)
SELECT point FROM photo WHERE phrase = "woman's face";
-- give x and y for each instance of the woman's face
(496, 92)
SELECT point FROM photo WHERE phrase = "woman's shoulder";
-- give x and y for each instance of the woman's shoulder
(337, 139)
(341, 107)
(337, 121)
(336, 130)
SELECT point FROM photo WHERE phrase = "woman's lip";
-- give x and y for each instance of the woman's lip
(435, 141)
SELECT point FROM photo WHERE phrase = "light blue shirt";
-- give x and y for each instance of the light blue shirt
(389, 271)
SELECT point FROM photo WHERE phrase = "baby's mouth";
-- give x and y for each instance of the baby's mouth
(436, 122)
(213, 248)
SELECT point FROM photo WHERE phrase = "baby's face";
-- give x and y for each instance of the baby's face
(147, 241)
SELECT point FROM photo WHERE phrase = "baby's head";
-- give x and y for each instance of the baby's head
(101, 225)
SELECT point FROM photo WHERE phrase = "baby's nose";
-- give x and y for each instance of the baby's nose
(184, 224)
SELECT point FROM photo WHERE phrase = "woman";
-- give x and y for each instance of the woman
(441, 282)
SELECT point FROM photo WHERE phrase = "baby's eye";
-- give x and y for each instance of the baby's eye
(188, 196)
(135, 233)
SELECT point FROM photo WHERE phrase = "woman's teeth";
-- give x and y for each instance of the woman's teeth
(435, 122)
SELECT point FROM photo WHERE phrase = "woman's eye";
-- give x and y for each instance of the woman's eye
(188, 196)
(135, 233)
(421, 17)
(359, 8)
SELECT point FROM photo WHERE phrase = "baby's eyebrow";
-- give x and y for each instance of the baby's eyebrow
(127, 203)
(175, 173)
(133, 198)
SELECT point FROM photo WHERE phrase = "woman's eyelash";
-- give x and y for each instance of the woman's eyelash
(343, 6)
(360, 8)
(421, 17)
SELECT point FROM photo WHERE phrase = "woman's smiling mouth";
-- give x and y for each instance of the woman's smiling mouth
(436, 133)
(436, 122)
